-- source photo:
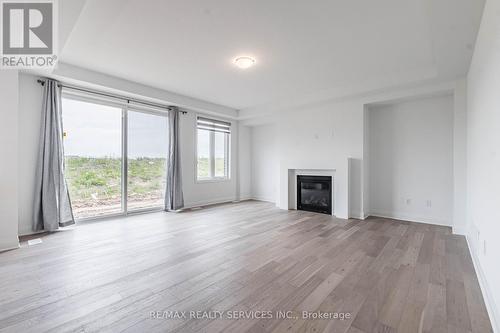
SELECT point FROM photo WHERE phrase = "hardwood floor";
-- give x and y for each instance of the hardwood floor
(109, 276)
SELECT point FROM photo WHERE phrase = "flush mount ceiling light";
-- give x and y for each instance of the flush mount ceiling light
(244, 62)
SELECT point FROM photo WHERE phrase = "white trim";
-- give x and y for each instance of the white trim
(212, 180)
(459, 230)
(246, 196)
(409, 218)
(264, 199)
(485, 290)
(227, 152)
(358, 215)
(223, 200)
(201, 203)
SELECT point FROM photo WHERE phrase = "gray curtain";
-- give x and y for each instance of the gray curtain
(173, 197)
(52, 202)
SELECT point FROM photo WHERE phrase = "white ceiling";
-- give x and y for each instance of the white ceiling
(331, 47)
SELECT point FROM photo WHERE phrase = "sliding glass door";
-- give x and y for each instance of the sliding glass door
(93, 157)
(147, 148)
(115, 158)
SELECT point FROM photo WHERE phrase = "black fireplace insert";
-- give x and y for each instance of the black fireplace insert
(314, 194)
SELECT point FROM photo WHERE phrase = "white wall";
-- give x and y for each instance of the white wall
(324, 136)
(366, 162)
(319, 136)
(245, 162)
(265, 163)
(460, 157)
(202, 193)
(411, 160)
(30, 96)
(483, 156)
(9, 163)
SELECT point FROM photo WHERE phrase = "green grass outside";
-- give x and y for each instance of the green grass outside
(91, 178)
(100, 178)
(204, 167)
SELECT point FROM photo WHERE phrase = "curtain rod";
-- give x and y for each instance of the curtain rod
(128, 99)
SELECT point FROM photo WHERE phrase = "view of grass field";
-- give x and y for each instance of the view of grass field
(95, 183)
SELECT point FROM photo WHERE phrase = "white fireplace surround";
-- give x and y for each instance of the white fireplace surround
(292, 184)
(287, 198)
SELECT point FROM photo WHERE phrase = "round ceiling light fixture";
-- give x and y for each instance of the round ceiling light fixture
(244, 62)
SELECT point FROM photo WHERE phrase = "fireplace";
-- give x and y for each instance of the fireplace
(314, 194)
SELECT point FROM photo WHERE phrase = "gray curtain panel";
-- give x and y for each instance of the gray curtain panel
(174, 199)
(52, 202)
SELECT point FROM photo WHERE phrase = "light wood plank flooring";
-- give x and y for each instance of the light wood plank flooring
(108, 276)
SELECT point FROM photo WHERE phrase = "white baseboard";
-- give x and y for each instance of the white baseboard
(358, 215)
(262, 199)
(485, 290)
(222, 200)
(244, 197)
(209, 202)
(459, 230)
(409, 218)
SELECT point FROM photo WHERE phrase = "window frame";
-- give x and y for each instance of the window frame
(227, 152)
(125, 108)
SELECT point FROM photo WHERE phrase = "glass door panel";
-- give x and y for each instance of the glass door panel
(93, 157)
(147, 150)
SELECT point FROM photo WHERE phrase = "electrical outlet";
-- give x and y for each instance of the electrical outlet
(408, 202)
(428, 203)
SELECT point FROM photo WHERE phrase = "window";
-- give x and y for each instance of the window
(115, 156)
(147, 151)
(213, 137)
(93, 157)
